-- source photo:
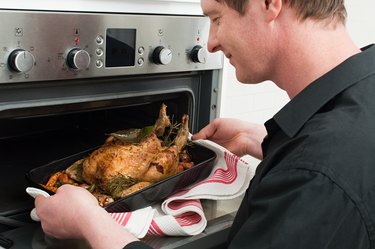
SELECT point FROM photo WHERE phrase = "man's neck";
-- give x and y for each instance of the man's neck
(310, 50)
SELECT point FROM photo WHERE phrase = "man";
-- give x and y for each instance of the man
(315, 187)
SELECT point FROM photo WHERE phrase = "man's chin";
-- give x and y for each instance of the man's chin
(245, 79)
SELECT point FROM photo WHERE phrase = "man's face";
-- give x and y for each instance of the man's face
(240, 37)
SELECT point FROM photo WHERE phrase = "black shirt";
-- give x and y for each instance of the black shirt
(315, 187)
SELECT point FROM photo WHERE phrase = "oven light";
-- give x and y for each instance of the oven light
(76, 40)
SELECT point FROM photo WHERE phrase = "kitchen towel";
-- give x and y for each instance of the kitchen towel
(182, 214)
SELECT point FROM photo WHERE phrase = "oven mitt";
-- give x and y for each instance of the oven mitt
(34, 192)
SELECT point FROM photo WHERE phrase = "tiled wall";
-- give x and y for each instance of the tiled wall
(257, 103)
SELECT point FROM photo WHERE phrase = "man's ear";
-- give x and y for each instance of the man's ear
(272, 9)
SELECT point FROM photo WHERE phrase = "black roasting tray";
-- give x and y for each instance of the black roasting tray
(202, 157)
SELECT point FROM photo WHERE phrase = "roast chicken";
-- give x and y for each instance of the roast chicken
(143, 163)
(131, 160)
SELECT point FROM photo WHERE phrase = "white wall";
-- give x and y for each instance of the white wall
(258, 103)
(361, 20)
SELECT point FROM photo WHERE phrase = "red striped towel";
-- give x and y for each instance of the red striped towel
(182, 214)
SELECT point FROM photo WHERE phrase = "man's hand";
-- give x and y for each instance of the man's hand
(239, 137)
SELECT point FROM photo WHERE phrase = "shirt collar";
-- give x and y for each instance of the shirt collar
(303, 106)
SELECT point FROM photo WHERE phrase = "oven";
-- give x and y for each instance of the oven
(69, 78)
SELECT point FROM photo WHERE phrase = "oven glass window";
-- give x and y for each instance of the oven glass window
(120, 48)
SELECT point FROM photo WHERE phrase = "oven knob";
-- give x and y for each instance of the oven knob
(162, 55)
(78, 59)
(198, 54)
(21, 61)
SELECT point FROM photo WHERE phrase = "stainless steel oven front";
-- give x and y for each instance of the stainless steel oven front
(69, 78)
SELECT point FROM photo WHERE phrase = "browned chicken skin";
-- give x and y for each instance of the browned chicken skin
(165, 163)
(112, 159)
(145, 163)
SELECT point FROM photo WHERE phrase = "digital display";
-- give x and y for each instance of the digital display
(120, 48)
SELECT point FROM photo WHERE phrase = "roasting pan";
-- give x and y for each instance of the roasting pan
(202, 157)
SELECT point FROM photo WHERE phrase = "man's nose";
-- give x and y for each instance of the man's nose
(213, 44)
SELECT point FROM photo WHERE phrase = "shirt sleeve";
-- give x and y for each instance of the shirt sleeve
(137, 245)
(299, 208)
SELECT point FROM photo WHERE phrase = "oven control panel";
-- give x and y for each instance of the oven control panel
(43, 46)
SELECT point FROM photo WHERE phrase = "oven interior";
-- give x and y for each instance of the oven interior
(46, 121)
